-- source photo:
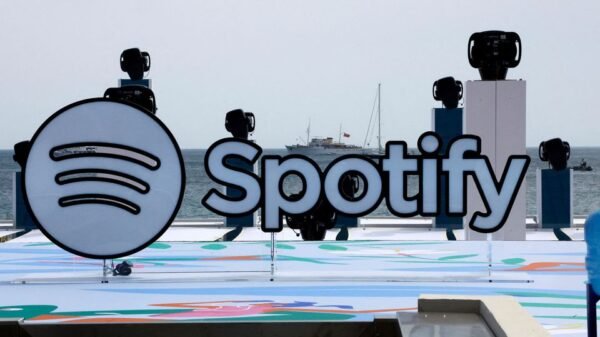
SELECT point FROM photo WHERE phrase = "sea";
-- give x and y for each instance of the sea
(586, 185)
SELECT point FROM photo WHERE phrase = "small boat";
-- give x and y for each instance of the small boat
(583, 166)
(328, 146)
(325, 146)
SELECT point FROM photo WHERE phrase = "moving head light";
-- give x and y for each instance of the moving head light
(136, 94)
(135, 63)
(239, 123)
(556, 152)
(21, 152)
(493, 52)
(314, 225)
(448, 90)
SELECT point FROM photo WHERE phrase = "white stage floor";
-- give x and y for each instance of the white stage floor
(376, 274)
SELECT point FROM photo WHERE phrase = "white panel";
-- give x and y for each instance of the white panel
(510, 120)
(479, 120)
(480, 110)
(510, 140)
(495, 111)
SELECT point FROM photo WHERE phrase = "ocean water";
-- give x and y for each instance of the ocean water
(586, 184)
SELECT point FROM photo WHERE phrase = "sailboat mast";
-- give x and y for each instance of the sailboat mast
(308, 133)
(379, 114)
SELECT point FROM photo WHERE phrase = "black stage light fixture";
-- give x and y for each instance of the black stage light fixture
(493, 52)
(350, 186)
(314, 225)
(448, 90)
(135, 63)
(239, 123)
(136, 94)
(21, 152)
(556, 152)
(123, 269)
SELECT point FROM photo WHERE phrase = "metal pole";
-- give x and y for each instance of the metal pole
(489, 246)
(104, 272)
(379, 113)
(272, 256)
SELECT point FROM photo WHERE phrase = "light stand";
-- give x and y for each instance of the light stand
(495, 111)
(554, 188)
(240, 124)
(447, 122)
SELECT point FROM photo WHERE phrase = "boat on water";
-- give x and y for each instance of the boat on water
(583, 166)
(328, 146)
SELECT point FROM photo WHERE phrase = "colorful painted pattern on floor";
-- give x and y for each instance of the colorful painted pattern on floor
(313, 281)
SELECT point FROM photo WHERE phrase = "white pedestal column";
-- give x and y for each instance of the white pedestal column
(495, 111)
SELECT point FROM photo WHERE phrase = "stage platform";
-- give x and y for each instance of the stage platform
(188, 277)
(391, 229)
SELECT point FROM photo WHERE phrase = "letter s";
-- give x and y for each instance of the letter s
(220, 170)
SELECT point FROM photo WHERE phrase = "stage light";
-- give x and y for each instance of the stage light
(21, 152)
(136, 94)
(239, 123)
(493, 52)
(135, 63)
(556, 152)
(314, 225)
(447, 90)
(123, 268)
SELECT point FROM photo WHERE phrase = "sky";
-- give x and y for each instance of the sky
(294, 61)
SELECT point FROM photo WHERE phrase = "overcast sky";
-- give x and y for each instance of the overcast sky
(291, 61)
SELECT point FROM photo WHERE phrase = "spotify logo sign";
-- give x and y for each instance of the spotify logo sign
(103, 179)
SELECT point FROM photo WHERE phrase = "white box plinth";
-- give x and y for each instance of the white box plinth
(495, 111)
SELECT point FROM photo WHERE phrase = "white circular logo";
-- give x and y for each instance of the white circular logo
(103, 179)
